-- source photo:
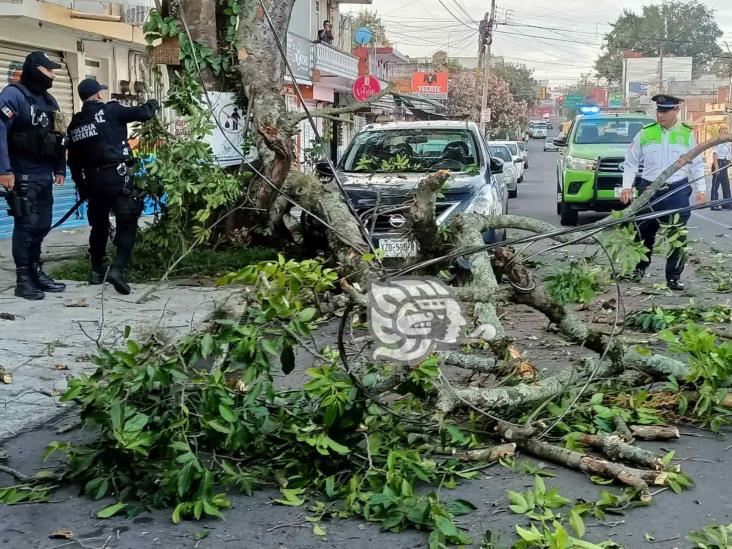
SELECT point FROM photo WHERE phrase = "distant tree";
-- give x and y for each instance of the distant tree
(443, 62)
(370, 19)
(507, 114)
(520, 81)
(691, 31)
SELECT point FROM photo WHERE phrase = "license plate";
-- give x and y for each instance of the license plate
(617, 191)
(398, 247)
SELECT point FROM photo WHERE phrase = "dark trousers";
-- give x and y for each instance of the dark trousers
(721, 179)
(107, 192)
(30, 230)
(676, 196)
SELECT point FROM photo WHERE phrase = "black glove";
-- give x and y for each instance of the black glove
(153, 103)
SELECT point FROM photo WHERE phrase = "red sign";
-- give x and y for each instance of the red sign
(365, 86)
(431, 83)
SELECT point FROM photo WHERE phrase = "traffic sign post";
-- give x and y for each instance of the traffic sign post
(365, 86)
(485, 116)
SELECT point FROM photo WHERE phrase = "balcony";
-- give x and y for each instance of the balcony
(334, 62)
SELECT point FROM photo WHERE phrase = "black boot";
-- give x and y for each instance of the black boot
(43, 281)
(115, 276)
(98, 270)
(26, 286)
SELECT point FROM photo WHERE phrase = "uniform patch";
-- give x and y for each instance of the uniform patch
(7, 112)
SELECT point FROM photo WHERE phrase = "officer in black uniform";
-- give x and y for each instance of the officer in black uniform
(100, 160)
(32, 158)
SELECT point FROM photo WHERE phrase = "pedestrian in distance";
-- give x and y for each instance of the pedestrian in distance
(32, 159)
(720, 165)
(100, 159)
(657, 146)
(326, 33)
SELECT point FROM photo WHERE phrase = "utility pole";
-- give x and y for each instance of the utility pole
(660, 48)
(488, 22)
(728, 103)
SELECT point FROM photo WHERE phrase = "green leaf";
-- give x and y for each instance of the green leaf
(518, 503)
(532, 535)
(211, 511)
(318, 530)
(206, 345)
(218, 426)
(111, 510)
(292, 497)
(446, 526)
(228, 414)
(539, 487)
(577, 524)
(116, 415)
(459, 507)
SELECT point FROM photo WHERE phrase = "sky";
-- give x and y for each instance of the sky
(559, 39)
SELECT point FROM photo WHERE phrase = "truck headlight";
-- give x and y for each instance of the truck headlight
(580, 163)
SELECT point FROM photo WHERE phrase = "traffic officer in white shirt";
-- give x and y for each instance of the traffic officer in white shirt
(657, 146)
(720, 164)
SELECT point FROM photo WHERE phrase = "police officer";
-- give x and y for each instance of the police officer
(100, 160)
(657, 146)
(720, 164)
(32, 158)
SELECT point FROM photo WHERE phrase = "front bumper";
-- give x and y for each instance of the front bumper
(590, 190)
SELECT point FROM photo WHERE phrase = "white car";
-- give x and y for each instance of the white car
(518, 157)
(499, 150)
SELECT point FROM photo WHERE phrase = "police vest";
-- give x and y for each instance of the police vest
(34, 135)
(92, 142)
(679, 136)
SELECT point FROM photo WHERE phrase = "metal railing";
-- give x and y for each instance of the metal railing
(334, 61)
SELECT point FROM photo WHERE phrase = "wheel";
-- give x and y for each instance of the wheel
(513, 194)
(568, 216)
(520, 179)
(526, 166)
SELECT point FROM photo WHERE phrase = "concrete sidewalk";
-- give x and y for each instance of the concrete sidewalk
(44, 342)
(59, 245)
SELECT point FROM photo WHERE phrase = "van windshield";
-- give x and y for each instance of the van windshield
(411, 150)
(512, 147)
(608, 130)
(501, 152)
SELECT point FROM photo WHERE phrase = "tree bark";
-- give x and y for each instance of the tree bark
(616, 449)
(655, 432)
(200, 16)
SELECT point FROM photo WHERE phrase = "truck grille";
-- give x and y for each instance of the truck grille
(388, 217)
(608, 183)
(610, 165)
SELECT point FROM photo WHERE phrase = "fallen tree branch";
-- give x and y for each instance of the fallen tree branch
(294, 118)
(475, 363)
(422, 213)
(616, 449)
(621, 428)
(655, 432)
(635, 478)
(17, 475)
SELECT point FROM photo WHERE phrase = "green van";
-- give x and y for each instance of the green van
(590, 164)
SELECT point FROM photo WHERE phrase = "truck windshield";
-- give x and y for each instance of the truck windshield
(607, 131)
(540, 126)
(410, 150)
(512, 147)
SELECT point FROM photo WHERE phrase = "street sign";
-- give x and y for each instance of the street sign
(485, 116)
(615, 99)
(365, 86)
(572, 101)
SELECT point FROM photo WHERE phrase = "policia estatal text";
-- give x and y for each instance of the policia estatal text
(32, 158)
(101, 164)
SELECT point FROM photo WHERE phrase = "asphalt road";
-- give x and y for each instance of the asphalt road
(255, 522)
(537, 198)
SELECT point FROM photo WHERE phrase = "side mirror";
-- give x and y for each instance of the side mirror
(496, 165)
(323, 170)
(560, 141)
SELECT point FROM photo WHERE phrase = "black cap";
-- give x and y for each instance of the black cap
(89, 87)
(40, 59)
(665, 102)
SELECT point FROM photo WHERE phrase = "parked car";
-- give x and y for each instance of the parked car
(518, 159)
(499, 150)
(549, 144)
(589, 166)
(523, 147)
(382, 166)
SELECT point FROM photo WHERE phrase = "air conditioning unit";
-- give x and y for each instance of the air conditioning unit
(136, 15)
